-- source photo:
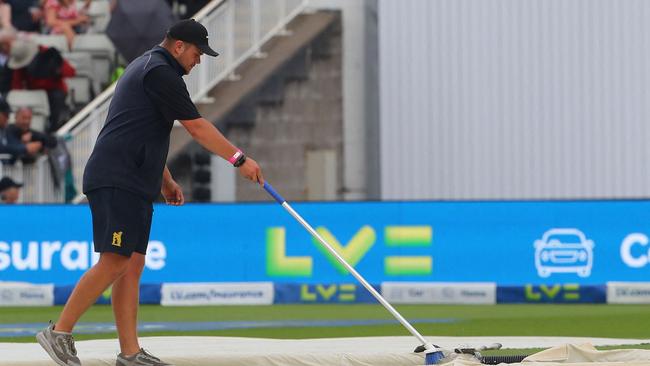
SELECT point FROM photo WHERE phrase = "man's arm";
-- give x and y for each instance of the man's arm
(170, 190)
(212, 139)
(16, 148)
(48, 141)
(168, 91)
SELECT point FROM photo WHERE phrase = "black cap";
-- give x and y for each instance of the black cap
(191, 31)
(7, 182)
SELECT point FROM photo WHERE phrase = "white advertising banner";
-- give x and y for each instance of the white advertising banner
(628, 292)
(26, 294)
(218, 293)
(439, 292)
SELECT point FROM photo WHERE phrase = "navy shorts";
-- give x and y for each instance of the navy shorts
(121, 221)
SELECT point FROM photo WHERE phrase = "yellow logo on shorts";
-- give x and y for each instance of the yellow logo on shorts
(117, 239)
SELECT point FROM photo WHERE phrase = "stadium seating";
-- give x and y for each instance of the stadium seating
(80, 87)
(57, 41)
(100, 14)
(34, 99)
(87, 83)
(103, 54)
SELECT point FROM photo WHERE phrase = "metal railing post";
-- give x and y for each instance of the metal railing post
(3, 156)
(257, 29)
(40, 178)
(282, 15)
(230, 39)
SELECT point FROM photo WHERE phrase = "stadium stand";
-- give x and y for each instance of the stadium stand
(36, 100)
(240, 32)
(93, 57)
(51, 40)
(103, 55)
(81, 86)
(100, 14)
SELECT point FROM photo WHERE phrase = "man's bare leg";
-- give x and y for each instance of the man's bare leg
(125, 300)
(109, 267)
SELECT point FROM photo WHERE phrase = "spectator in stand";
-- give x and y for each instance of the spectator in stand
(62, 17)
(5, 16)
(9, 143)
(26, 15)
(9, 190)
(39, 67)
(22, 131)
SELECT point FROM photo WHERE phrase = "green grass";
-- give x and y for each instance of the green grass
(611, 321)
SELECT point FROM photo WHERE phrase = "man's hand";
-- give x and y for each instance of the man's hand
(83, 19)
(172, 193)
(204, 132)
(33, 147)
(26, 137)
(250, 170)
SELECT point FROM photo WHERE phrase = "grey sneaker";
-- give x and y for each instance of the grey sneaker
(142, 358)
(59, 345)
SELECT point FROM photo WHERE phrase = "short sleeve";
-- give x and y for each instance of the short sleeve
(169, 94)
(52, 4)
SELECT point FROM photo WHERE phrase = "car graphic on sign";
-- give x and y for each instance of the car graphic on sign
(564, 251)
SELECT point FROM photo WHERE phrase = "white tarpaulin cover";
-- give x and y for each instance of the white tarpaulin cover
(365, 351)
(571, 354)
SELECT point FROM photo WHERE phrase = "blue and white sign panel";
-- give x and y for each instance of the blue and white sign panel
(26, 294)
(439, 293)
(508, 243)
(195, 294)
(628, 292)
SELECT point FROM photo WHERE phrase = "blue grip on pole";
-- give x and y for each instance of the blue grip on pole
(433, 358)
(273, 193)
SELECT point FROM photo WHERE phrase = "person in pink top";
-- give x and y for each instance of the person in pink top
(62, 17)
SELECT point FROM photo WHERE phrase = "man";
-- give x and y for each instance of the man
(9, 190)
(11, 146)
(22, 131)
(126, 172)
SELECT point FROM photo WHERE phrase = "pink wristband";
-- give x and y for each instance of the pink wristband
(234, 158)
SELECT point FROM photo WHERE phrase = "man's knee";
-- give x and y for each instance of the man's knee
(116, 264)
(136, 264)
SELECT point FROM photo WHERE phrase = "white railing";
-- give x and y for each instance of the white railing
(237, 29)
(39, 183)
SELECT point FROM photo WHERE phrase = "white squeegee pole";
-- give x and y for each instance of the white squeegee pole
(365, 284)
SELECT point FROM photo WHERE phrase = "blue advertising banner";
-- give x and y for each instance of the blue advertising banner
(341, 293)
(559, 293)
(510, 243)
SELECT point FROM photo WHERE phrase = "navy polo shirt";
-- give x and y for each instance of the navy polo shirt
(131, 149)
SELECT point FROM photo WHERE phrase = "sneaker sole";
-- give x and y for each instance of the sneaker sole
(40, 337)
